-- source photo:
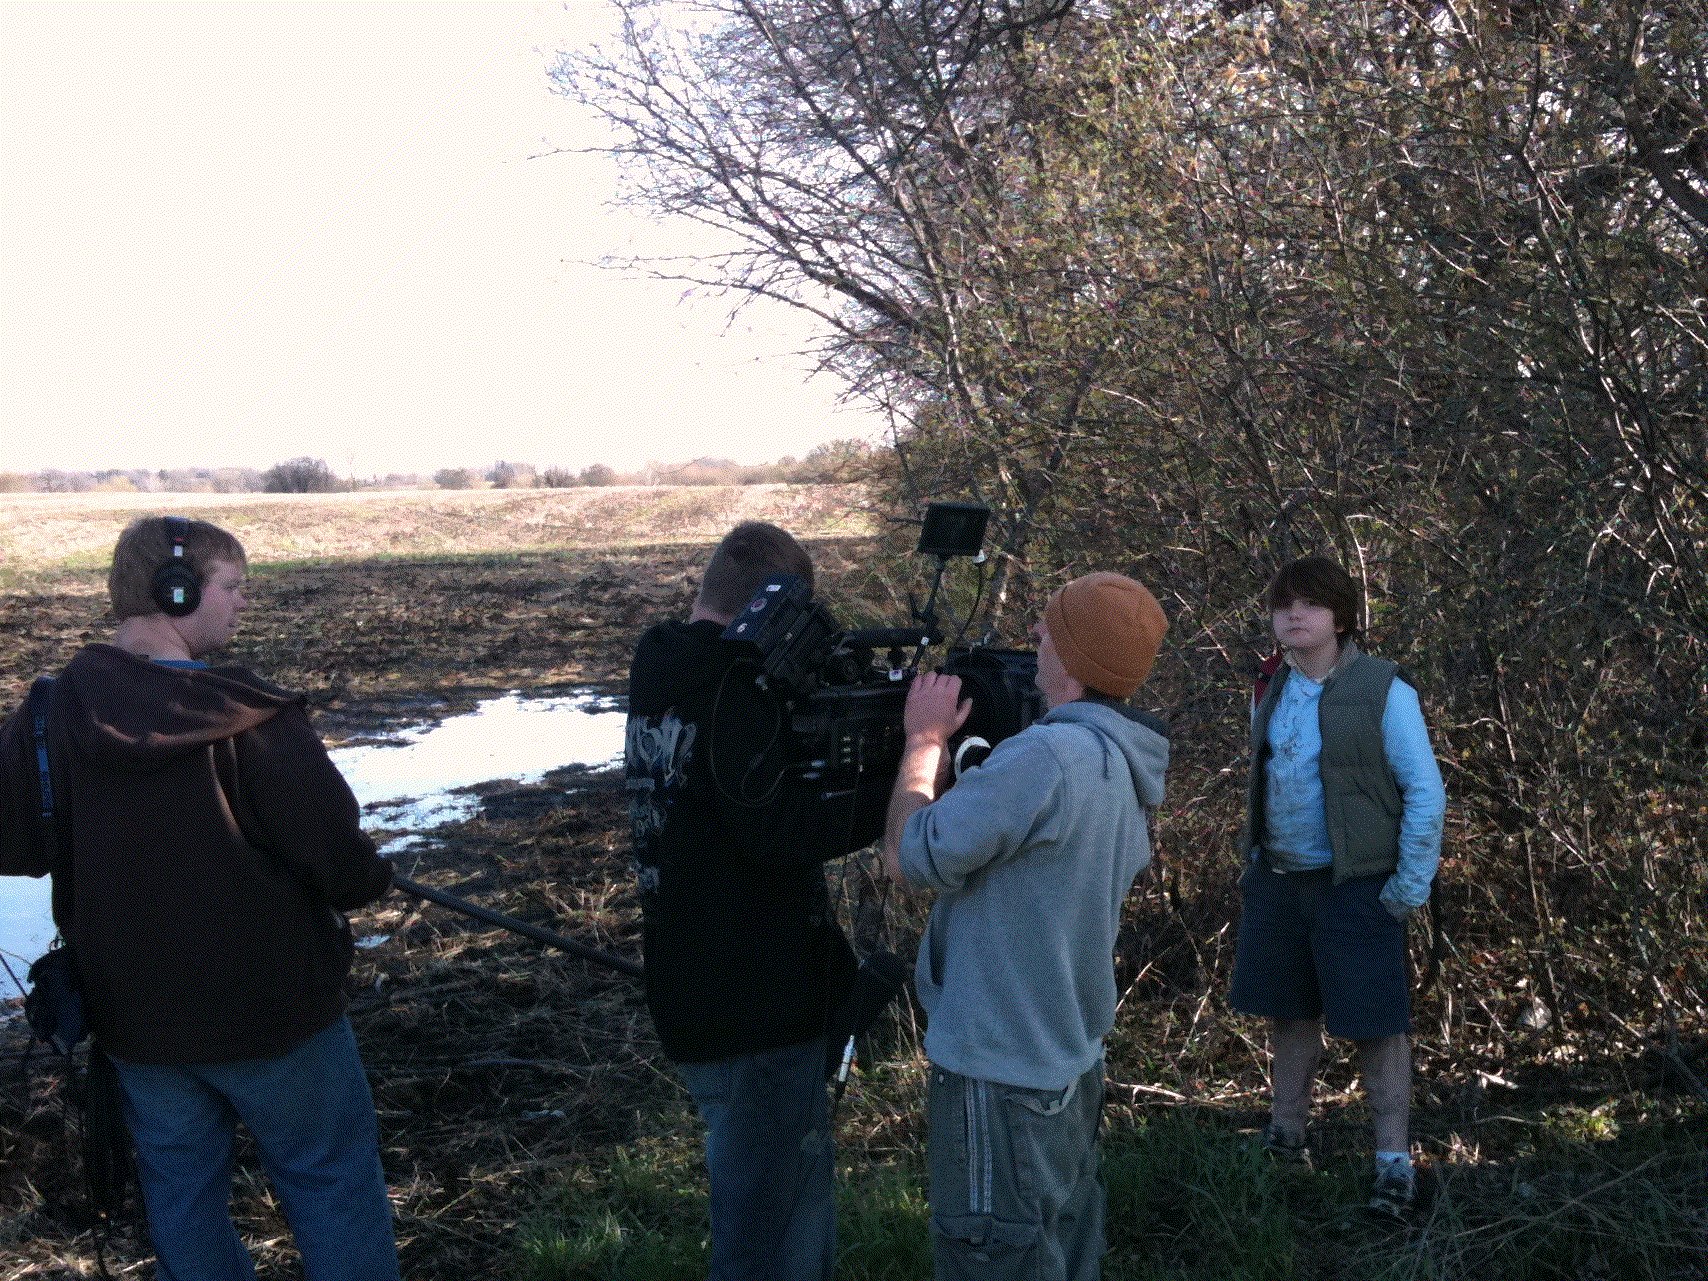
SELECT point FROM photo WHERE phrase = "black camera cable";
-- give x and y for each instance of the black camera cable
(880, 978)
(754, 762)
(978, 599)
(540, 935)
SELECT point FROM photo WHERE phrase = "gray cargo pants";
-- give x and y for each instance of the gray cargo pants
(1014, 1186)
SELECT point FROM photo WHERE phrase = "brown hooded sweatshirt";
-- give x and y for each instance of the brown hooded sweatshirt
(211, 847)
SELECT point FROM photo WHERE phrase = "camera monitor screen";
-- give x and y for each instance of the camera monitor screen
(953, 529)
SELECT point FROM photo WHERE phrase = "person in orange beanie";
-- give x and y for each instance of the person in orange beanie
(1030, 855)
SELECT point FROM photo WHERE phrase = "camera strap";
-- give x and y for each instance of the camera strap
(53, 1006)
(40, 699)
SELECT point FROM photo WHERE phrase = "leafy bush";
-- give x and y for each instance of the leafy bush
(301, 476)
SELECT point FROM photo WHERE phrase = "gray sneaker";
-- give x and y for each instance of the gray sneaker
(1392, 1196)
(1283, 1149)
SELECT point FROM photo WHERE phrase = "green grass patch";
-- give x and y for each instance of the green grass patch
(1610, 1210)
(643, 1217)
(883, 1223)
(1191, 1199)
(36, 576)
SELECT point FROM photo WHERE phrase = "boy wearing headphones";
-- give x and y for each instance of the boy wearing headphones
(208, 848)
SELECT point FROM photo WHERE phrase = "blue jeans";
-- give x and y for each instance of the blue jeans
(770, 1158)
(313, 1119)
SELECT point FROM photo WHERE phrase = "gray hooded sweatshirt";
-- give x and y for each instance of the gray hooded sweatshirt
(1031, 855)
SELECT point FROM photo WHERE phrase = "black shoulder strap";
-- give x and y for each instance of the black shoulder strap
(41, 696)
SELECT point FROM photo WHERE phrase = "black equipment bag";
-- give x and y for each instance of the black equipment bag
(54, 1004)
(108, 1165)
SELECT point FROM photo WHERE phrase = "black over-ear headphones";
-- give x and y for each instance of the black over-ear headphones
(176, 589)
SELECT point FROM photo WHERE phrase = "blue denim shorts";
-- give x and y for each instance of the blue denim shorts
(1311, 949)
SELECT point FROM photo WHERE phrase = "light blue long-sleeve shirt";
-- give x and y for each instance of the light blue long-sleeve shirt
(1295, 818)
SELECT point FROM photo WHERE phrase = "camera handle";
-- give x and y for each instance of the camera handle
(921, 636)
(892, 637)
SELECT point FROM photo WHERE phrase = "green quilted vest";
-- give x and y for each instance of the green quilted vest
(1360, 794)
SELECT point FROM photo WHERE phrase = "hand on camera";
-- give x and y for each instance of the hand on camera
(934, 708)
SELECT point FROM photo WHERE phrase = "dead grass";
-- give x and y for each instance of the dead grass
(42, 536)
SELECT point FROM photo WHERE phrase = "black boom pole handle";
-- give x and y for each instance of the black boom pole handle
(621, 964)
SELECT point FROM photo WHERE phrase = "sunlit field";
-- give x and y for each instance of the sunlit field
(531, 1127)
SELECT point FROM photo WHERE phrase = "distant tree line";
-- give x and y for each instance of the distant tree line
(834, 462)
(177, 480)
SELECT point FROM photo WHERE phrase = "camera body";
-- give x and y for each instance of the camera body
(845, 690)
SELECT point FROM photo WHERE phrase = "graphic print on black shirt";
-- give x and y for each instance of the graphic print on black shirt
(657, 751)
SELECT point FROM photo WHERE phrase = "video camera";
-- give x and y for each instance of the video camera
(845, 690)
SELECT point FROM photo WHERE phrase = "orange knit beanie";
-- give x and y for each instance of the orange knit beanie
(1107, 630)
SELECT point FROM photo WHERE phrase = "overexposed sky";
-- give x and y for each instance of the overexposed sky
(234, 233)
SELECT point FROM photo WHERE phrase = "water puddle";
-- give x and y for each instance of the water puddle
(408, 783)
(26, 928)
(419, 778)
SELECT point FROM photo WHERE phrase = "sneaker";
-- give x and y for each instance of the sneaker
(1284, 1150)
(1392, 1196)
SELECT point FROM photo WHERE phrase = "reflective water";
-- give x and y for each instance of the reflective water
(26, 928)
(410, 782)
(414, 781)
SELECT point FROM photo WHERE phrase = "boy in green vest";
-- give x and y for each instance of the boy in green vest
(1341, 842)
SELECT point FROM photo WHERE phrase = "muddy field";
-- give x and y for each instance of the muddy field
(496, 1064)
(513, 1082)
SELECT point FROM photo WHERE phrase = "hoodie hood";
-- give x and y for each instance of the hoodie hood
(671, 664)
(127, 711)
(1133, 741)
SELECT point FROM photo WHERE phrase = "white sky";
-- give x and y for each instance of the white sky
(232, 234)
